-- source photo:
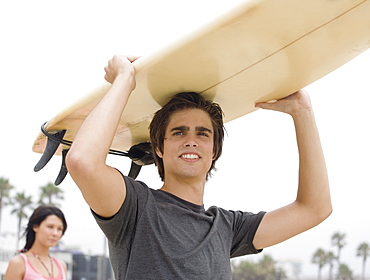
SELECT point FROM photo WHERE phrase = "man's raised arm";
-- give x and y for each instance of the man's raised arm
(101, 185)
(313, 202)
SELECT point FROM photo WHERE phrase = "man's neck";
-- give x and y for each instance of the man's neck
(189, 190)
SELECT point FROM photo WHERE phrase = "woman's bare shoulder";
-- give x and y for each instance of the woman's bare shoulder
(16, 268)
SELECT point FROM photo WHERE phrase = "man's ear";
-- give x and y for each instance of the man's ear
(158, 152)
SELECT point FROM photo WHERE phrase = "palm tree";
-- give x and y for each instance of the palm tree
(5, 199)
(363, 250)
(337, 240)
(49, 192)
(21, 203)
(330, 258)
(319, 257)
(344, 273)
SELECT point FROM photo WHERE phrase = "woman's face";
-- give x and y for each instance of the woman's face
(49, 232)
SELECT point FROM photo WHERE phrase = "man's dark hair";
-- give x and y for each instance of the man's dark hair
(182, 101)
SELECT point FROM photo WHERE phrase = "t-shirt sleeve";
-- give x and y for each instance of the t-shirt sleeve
(245, 225)
(123, 222)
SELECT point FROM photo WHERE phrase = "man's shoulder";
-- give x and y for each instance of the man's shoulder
(135, 186)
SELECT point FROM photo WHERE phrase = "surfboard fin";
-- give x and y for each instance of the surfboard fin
(63, 169)
(134, 170)
(51, 147)
(140, 154)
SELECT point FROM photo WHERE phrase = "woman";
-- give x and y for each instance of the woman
(45, 228)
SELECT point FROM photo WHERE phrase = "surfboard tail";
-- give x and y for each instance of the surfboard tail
(52, 145)
(140, 154)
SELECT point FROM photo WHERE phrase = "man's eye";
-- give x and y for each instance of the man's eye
(203, 134)
(178, 133)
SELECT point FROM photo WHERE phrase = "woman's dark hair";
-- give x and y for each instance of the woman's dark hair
(181, 101)
(37, 217)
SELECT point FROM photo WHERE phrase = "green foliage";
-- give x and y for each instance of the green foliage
(319, 257)
(21, 203)
(5, 198)
(344, 273)
(245, 270)
(338, 240)
(49, 192)
(264, 269)
(363, 250)
(5, 189)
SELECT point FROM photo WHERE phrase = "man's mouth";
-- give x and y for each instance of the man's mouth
(190, 156)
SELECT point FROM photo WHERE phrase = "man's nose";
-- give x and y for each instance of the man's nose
(190, 141)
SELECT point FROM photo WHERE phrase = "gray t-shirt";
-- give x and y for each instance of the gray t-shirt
(156, 235)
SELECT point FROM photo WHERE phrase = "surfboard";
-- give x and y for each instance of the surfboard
(258, 51)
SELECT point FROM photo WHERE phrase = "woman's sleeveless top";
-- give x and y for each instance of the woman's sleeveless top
(32, 274)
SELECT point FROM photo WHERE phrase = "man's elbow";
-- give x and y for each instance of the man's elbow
(329, 210)
(76, 163)
(324, 212)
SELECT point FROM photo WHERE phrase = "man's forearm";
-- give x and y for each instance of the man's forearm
(313, 189)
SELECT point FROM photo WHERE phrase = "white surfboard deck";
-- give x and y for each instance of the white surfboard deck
(259, 51)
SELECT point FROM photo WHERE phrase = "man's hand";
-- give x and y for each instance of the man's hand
(120, 65)
(291, 104)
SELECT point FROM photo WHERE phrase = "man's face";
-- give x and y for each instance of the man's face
(188, 145)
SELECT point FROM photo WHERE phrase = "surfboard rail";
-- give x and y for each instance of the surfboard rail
(256, 52)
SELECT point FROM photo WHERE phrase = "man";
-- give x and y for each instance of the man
(166, 233)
